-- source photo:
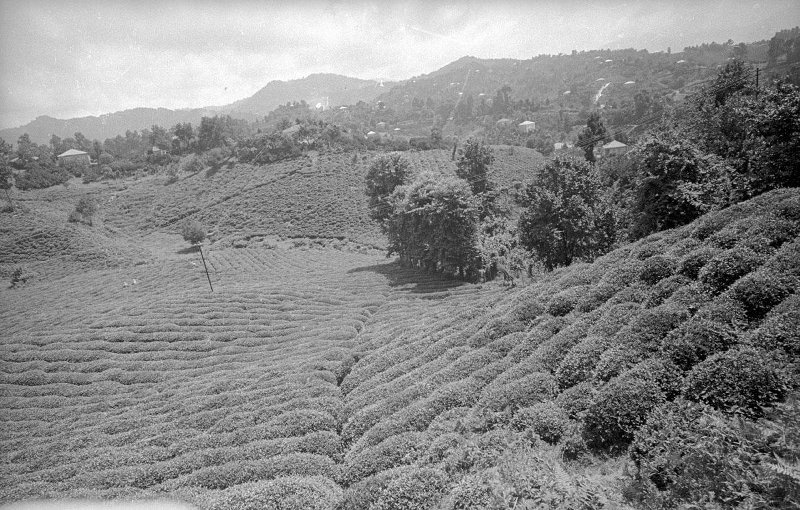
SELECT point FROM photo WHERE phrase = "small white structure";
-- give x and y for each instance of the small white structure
(562, 145)
(614, 148)
(629, 82)
(73, 156)
(526, 127)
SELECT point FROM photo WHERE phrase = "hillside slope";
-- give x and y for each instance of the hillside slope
(316, 195)
(319, 377)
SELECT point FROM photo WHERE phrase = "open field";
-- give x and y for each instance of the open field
(320, 374)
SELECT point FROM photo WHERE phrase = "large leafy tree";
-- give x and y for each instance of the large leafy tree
(6, 174)
(595, 132)
(474, 159)
(567, 215)
(386, 172)
(676, 182)
(434, 224)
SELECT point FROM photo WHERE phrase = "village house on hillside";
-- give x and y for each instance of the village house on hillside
(526, 127)
(614, 148)
(73, 156)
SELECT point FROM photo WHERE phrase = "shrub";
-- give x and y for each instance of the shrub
(697, 339)
(614, 318)
(564, 302)
(84, 211)
(579, 362)
(725, 310)
(193, 232)
(17, 276)
(191, 164)
(647, 331)
(656, 268)
(412, 489)
(727, 267)
(691, 264)
(664, 289)
(575, 401)
(758, 292)
(285, 493)
(38, 177)
(636, 293)
(615, 360)
(664, 373)
(741, 380)
(403, 448)
(781, 328)
(596, 296)
(75, 217)
(618, 410)
(774, 230)
(546, 419)
(523, 392)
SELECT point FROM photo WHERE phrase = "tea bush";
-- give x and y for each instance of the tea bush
(286, 493)
(742, 380)
(522, 392)
(412, 489)
(546, 419)
(727, 267)
(565, 301)
(665, 288)
(780, 329)
(618, 410)
(691, 264)
(695, 340)
(577, 365)
(758, 292)
(575, 401)
(656, 268)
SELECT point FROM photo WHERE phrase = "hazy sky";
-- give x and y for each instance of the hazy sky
(68, 59)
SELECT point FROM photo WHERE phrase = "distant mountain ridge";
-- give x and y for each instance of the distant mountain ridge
(329, 89)
(103, 126)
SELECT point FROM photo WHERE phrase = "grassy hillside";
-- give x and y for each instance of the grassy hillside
(319, 195)
(323, 377)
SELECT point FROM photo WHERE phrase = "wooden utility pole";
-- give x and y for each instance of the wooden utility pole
(206, 267)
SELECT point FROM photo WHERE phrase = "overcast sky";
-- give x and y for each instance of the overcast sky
(68, 59)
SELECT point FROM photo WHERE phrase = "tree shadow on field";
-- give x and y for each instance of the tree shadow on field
(413, 280)
(188, 249)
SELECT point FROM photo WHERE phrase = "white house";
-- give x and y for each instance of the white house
(73, 156)
(526, 127)
(614, 148)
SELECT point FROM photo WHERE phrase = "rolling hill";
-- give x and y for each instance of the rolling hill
(319, 374)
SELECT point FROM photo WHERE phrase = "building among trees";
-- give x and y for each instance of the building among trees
(614, 148)
(526, 127)
(72, 157)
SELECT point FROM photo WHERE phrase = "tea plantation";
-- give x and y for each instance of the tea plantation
(319, 374)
